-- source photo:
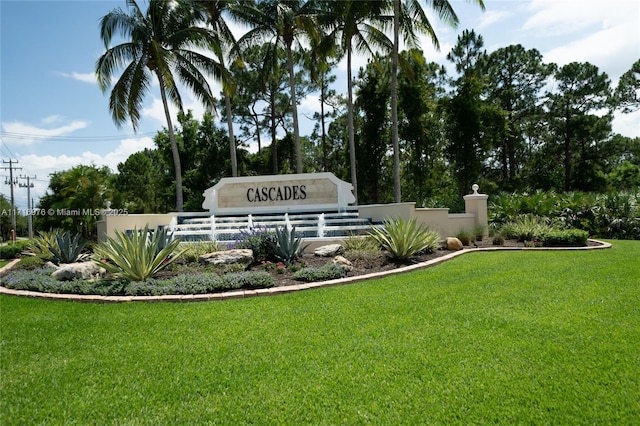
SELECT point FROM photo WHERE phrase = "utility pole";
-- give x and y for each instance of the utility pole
(29, 185)
(12, 182)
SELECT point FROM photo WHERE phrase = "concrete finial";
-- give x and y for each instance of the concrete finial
(475, 188)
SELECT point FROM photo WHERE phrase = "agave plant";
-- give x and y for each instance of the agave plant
(41, 243)
(67, 249)
(287, 246)
(403, 239)
(137, 256)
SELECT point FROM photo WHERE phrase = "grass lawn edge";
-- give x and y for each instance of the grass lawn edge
(273, 290)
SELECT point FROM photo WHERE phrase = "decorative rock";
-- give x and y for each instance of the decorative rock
(329, 250)
(228, 257)
(453, 244)
(50, 265)
(339, 260)
(80, 270)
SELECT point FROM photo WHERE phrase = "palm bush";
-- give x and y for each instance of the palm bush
(360, 243)
(287, 247)
(137, 256)
(526, 228)
(403, 239)
(193, 250)
(465, 237)
(67, 249)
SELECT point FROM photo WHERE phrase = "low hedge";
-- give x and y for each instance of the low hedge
(11, 251)
(41, 280)
(565, 238)
(328, 271)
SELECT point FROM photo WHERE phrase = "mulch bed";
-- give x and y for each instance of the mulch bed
(369, 265)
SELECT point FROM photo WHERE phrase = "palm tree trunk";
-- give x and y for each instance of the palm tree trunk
(232, 140)
(174, 146)
(350, 126)
(394, 103)
(294, 109)
(325, 165)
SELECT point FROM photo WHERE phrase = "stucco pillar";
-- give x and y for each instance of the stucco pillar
(477, 204)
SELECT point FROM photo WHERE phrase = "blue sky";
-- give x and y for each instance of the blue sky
(53, 115)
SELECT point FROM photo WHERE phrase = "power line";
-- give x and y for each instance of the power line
(16, 135)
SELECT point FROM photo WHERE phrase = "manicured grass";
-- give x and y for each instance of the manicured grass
(505, 337)
(4, 263)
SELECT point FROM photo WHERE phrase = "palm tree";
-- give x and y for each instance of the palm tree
(214, 10)
(359, 25)
(409, 17)
(280, 21)
(163, 42)
(322, 55)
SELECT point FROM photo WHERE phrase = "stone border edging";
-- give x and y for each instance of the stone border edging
(240, 294)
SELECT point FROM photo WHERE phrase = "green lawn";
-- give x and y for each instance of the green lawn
(502, 337)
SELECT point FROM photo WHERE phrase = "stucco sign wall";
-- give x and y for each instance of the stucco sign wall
(278, 193)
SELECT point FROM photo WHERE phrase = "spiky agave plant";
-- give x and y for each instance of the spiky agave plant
(287, 246)
(67, 248)
(403, 239)
(137, 256)
(41, 243)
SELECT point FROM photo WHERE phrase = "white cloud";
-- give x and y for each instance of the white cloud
(20, 133)
(627, 124)
(491, 17)
(43, 165)
(84, 77)
(598, 49)
(559, 17)
(51, 119)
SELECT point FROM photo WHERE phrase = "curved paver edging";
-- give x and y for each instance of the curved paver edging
(273, 290)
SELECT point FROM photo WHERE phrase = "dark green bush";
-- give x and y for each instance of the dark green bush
(257, 240)
(32, 262)
(328, 271)
(613, 215)
(465, 237)
(12, 251)
(566, 238)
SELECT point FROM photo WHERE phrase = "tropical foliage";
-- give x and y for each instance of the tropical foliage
(404, 238)
(504, 119)
(615, 215)
(138, 255)
(67, 248)
(287, 246)
(162, 42)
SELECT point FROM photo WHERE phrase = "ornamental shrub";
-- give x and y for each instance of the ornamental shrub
(566, 238)
(248, 280)
(256, 239)
(11, 251)
(403, 239)
(328, 271)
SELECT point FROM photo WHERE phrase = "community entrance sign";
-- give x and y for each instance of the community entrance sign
(278, 193)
